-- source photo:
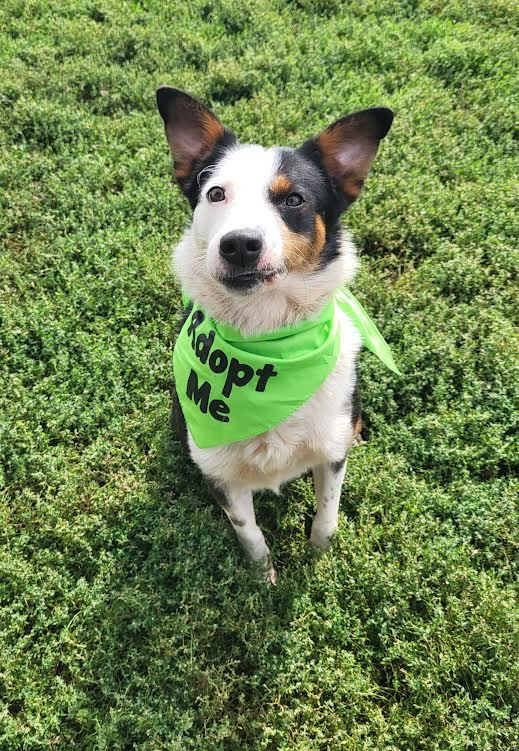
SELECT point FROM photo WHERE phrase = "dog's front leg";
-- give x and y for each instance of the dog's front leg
(328, 482)
(239, 507)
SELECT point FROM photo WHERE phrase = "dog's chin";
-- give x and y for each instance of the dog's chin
(248, 281)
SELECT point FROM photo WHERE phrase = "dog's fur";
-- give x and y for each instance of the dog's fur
(305, 255)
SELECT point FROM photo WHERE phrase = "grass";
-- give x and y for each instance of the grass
(128, 617)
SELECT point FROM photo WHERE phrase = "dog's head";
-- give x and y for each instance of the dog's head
(266, 220)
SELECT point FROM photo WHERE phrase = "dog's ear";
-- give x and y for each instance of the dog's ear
(192, 130)
(348, 146)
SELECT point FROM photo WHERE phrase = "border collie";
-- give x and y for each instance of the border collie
(265, 249)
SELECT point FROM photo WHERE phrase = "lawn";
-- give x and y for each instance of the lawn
(129, 618)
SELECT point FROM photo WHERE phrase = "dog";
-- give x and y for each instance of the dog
(265, 250)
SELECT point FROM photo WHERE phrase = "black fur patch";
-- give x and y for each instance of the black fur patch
(337, 466)
(306, 180)
(338, 202)
(217, 494)
(178, 421)
(304, 170)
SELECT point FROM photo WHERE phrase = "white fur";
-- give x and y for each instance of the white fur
(320, 431)
(245, 174)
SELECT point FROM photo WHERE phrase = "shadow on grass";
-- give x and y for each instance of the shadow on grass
(188, 635)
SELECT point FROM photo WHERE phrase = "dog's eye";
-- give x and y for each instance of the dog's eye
(216, 194)
(294, 199)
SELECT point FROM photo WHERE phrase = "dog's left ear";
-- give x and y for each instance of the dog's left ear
(348, 146)
(192, 130)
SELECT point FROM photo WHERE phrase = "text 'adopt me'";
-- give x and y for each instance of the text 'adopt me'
(238, 374)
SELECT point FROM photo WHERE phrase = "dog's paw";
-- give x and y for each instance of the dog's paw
(271, 577)
(266, 570)
(358, 440)
(321, 537)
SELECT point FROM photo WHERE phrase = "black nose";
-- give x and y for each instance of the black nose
(241, 247)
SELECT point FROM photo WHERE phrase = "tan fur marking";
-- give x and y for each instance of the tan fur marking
(356, 435)
(301, 253)
(280, 184)
(330, 140)
(181, 169)
(320, 233)
(352, 186)
(330, 144)
(212, 129)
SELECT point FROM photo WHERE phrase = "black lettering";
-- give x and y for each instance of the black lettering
(219, 410)
(196, 319)
(264, 373)
(234, 378)
(218, 361)
(198, 395)
(203, 345)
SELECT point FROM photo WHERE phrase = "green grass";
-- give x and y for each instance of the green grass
(128, 616)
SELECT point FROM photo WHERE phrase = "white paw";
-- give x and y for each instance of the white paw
(266, 570)
(321, 537)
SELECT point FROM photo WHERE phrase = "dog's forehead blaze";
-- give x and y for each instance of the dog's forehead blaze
(248, 168)
(301, 252)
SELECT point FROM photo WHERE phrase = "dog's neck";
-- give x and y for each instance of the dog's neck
(292, 298)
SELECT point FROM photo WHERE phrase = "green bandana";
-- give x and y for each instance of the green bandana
(231, 387)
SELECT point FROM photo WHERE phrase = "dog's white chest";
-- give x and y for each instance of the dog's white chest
(319, 431)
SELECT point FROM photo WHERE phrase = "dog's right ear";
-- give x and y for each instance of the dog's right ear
(192, 130)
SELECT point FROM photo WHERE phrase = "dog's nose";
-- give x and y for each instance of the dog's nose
(241, 247)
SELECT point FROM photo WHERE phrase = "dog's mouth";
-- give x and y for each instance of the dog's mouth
(246, 281)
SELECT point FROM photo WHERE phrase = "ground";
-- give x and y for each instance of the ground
(128, 616)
